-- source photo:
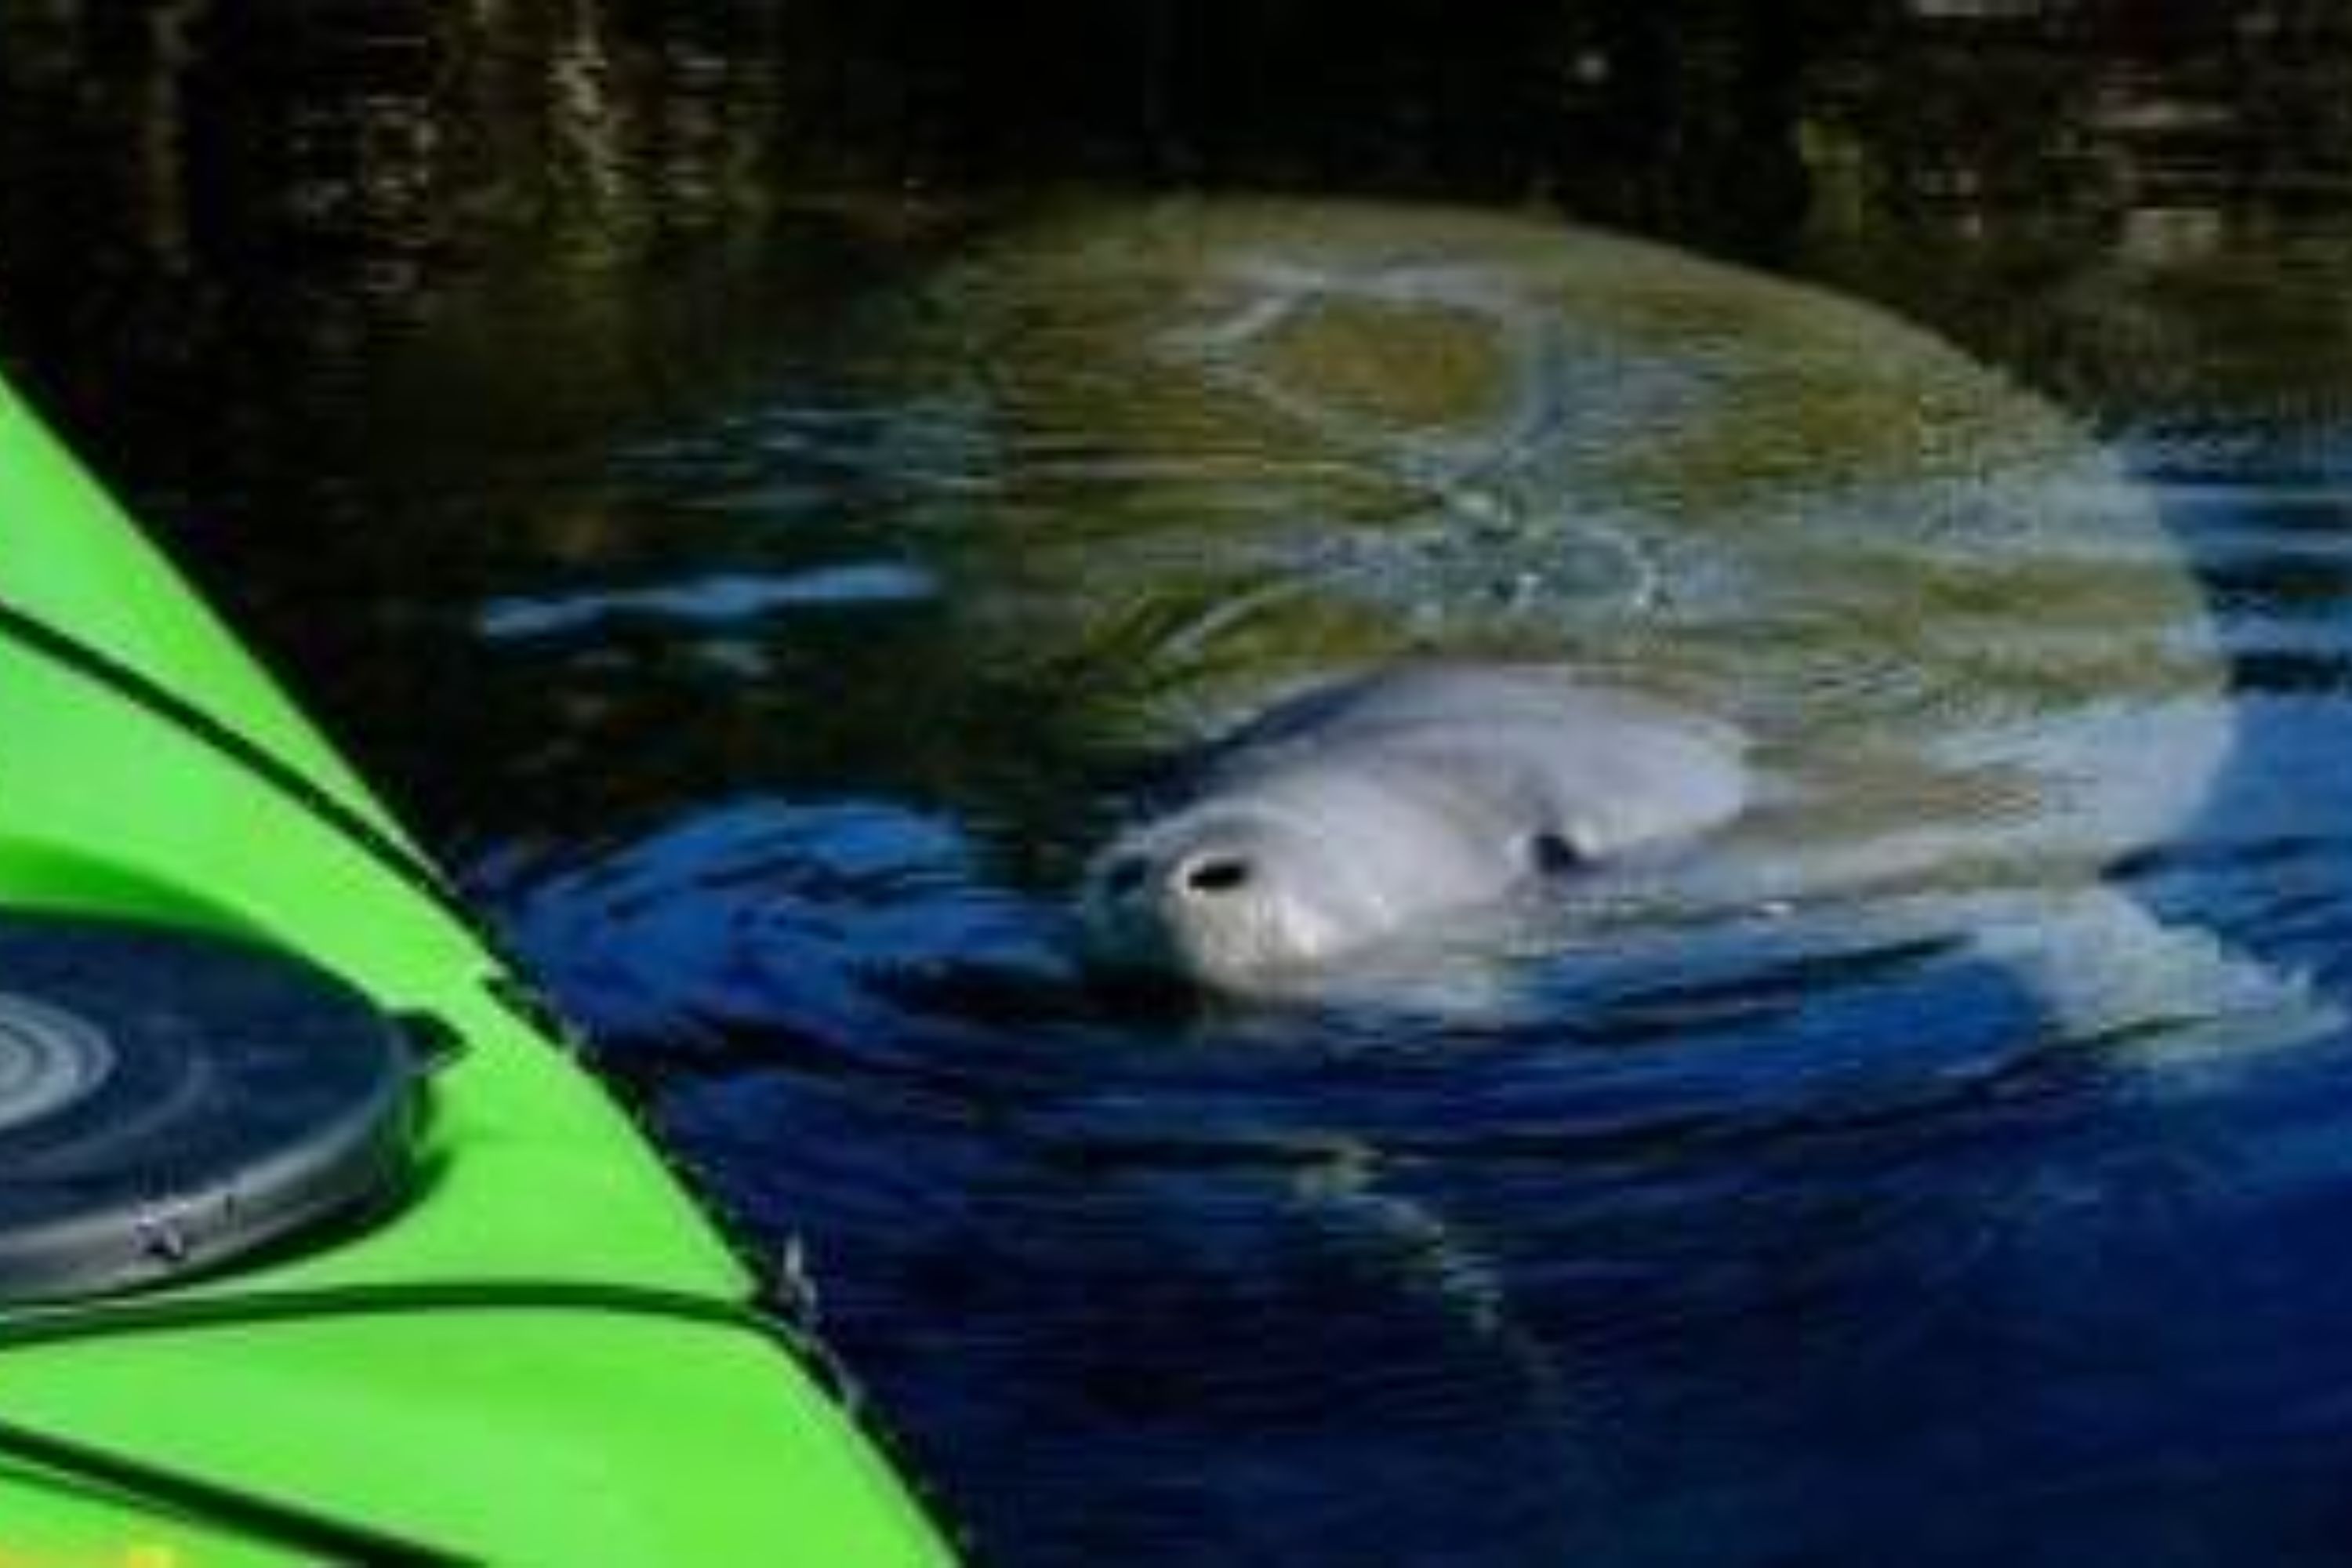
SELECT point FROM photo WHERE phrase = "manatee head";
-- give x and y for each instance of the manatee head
(1235, 898)
(1365, 818)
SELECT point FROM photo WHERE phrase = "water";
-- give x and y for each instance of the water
(577, 457)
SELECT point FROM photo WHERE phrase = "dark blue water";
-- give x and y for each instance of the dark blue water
(1773, 1245)
(631, 564)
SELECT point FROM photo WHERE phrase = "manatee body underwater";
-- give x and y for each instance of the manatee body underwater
(1308, 438)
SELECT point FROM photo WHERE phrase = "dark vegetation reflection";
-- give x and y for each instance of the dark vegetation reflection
(415, 326)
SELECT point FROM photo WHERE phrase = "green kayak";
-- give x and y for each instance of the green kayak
(418, 1292)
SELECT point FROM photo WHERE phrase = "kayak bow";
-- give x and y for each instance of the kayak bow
(519, 1341)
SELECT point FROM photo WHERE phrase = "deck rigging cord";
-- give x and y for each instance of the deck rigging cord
(93, 665)
(77, 1462)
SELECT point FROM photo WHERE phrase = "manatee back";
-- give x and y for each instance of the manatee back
(1520, 751)
(1310, 434)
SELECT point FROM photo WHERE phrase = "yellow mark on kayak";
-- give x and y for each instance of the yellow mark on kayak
(133, 1554)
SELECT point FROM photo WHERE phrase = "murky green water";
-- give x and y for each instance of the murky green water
(731, 476)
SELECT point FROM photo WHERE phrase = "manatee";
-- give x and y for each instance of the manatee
(1199, 451)
(1358, 813)
(1185, 456)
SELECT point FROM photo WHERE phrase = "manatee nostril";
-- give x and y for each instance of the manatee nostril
(1218, 874)
(1554, 853)
(1124, 876)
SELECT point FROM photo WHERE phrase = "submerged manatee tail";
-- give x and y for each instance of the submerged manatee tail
(2111, 970)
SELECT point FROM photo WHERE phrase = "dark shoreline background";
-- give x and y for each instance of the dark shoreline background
(180, 175)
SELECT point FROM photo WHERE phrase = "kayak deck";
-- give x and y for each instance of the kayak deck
(544, 1356)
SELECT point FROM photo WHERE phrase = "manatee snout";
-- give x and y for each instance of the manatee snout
(1366, 811)
(1206, 874)
(1226, 900)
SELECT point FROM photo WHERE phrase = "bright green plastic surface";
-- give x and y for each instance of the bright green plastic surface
(549, 1437)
